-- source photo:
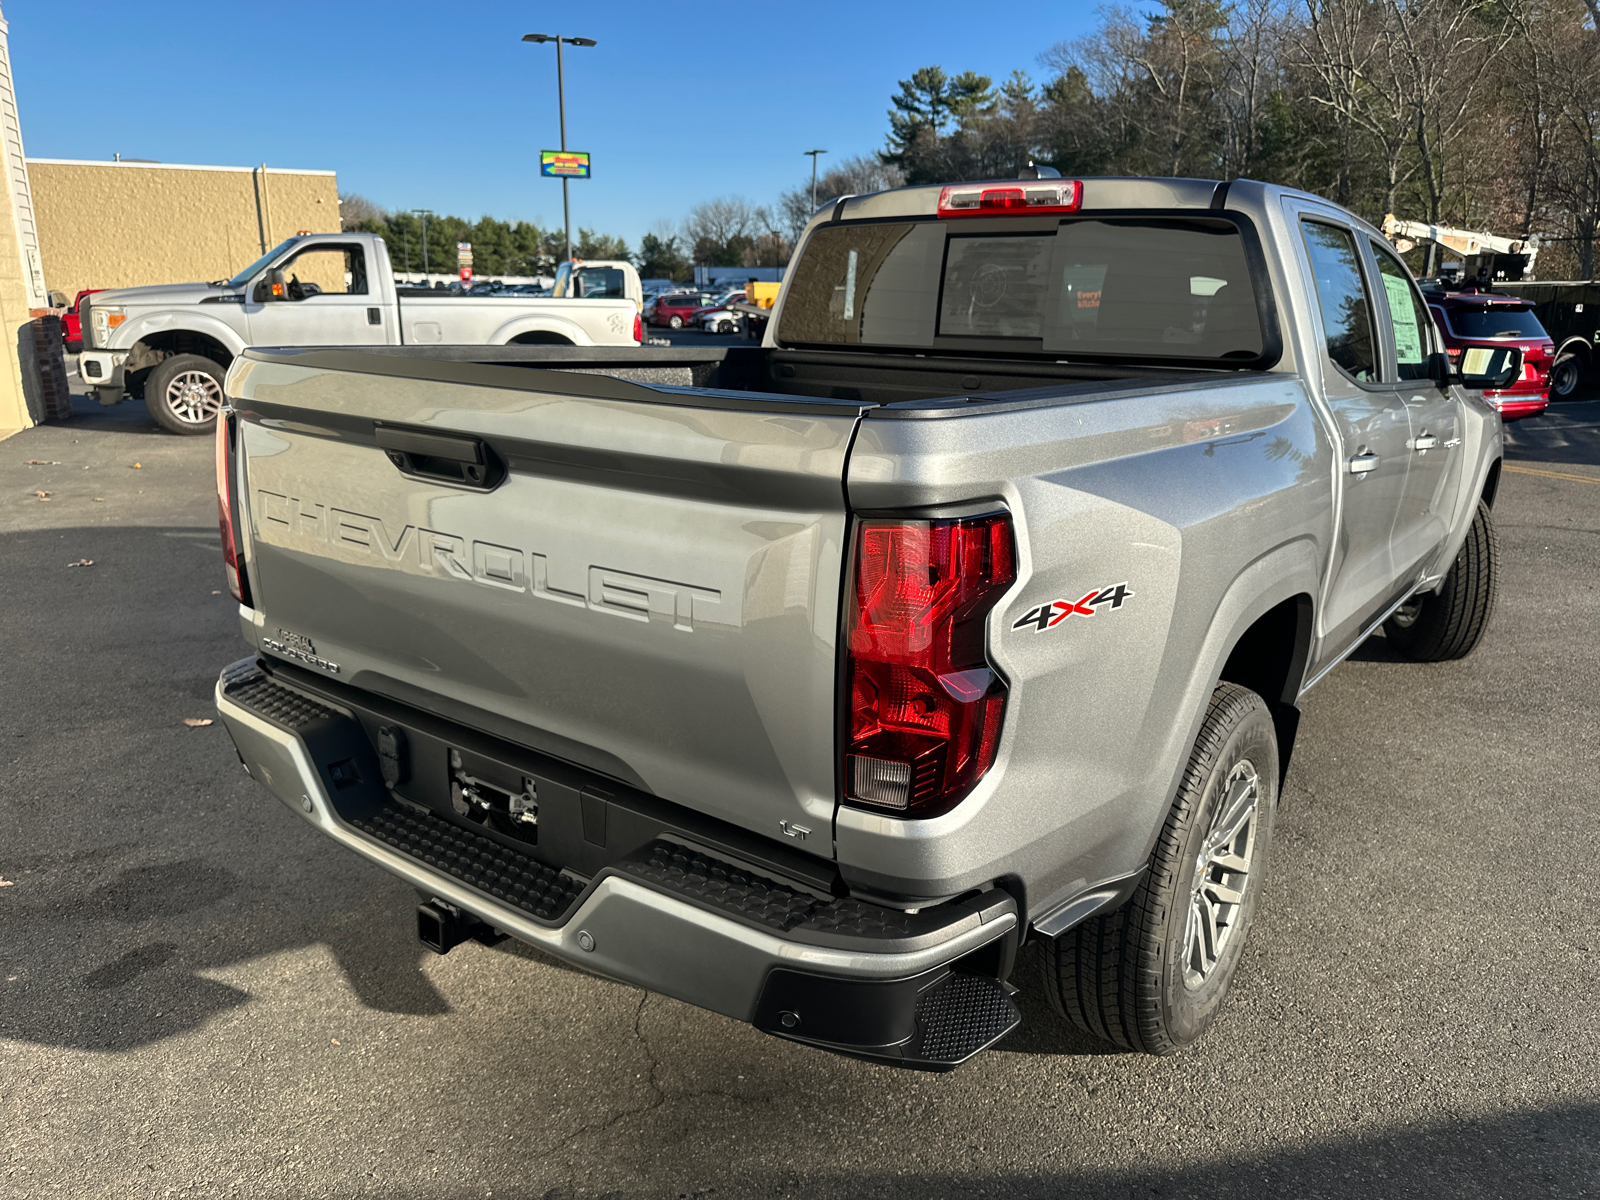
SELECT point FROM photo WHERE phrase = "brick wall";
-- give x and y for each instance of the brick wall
(49, 366)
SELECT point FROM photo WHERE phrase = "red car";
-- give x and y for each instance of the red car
(675, 310)
(71, 330)
(1478, 319)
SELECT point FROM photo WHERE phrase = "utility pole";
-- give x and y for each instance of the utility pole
(424, 213)
(561, 103)
(813, 154)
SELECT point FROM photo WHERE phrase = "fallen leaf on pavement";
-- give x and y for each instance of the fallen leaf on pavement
(216, 593)
(337, 1042)
(99, 499)
(6, 882)
(40, 462)
(138, 466)
(42, 495)
(196, 722)
(82, 562)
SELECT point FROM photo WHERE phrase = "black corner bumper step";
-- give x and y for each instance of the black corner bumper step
(931, 1022)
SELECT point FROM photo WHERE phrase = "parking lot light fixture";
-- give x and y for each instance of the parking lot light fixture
(813, 154)
(561, 102)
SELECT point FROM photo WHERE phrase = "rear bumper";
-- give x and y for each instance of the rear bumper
(669, 918)
(1513, 407)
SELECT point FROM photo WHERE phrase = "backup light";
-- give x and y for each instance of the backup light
(925, 707)
(1011, 199)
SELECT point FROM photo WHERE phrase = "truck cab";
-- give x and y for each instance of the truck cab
(173, 343)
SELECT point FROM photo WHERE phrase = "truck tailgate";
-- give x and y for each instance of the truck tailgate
(646, 582)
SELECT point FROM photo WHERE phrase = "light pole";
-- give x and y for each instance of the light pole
(424, 213)
(561, 102)
(813, 154)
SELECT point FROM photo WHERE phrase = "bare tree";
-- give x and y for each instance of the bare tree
(1251, 67)
(719, 220)
(355, 211)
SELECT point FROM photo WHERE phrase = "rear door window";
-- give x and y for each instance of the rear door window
(1342, 295)
(1408, 317)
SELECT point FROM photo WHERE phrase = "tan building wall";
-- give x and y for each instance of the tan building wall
(118, 224)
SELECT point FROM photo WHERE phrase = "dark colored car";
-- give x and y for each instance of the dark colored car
(675, 310)
(1471, 319)
(71, 327)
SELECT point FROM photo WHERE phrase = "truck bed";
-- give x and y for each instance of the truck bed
(855, 377)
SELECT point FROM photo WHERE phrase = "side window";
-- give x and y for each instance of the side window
(1346, 308)
(1412, 339)
(326, 271)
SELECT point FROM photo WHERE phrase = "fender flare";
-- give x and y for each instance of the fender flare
(1579, 346)
(1282, 573)
(136, 329)
(550, 323)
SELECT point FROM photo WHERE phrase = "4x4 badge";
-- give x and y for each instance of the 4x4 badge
(1048, 616)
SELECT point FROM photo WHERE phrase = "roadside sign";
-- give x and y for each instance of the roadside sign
(564, 164)
(466, 274)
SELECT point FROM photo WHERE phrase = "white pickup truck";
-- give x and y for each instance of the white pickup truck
(173, 343)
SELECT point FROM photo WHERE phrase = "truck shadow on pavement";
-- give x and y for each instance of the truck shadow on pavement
(137, 856)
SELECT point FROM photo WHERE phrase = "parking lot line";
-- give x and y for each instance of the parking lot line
(1552, 474)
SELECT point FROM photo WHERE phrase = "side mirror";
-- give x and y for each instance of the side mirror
(1442, 371)
(1486, 368)
(271, 288)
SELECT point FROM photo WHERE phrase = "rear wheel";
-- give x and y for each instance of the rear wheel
(1449, 623)
(1566, 376)
(1152, 975)
(184, 393)
(675, 321)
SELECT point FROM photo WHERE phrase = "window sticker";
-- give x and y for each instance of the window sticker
(1407, 337)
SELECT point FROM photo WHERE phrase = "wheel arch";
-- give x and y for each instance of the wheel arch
(1270, 659)
(513, 332)
(157, 345)
(1578, 346)
(1491, 483)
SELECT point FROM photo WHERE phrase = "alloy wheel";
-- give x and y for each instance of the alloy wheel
(1221, 874)
(194, 397)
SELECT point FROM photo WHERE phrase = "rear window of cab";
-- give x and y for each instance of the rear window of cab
(1167, 287)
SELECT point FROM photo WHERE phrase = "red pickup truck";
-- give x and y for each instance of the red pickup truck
(71, 327)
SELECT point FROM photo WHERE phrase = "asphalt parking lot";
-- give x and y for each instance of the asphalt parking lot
(199, 996)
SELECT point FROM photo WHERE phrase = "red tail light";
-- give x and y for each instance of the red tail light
(925, 707)
(230, 547)
(638, 328)
(1012, 199)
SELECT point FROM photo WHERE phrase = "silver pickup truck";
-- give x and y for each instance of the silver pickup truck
(805, 682)
(172, 344)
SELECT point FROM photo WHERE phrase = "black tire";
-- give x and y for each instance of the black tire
(1439, 626)
(1566, 376)
(184, 393)
(675, 321)
(1131, 976)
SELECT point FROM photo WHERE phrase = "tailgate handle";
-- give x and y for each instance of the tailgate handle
(439, 456)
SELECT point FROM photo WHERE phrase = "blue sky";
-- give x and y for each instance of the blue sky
(443, 107)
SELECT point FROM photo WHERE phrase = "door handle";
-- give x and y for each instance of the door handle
(1424, 443)
(1360, 464)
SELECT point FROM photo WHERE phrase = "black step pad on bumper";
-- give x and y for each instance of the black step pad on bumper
(476, 861)
(704, 879)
